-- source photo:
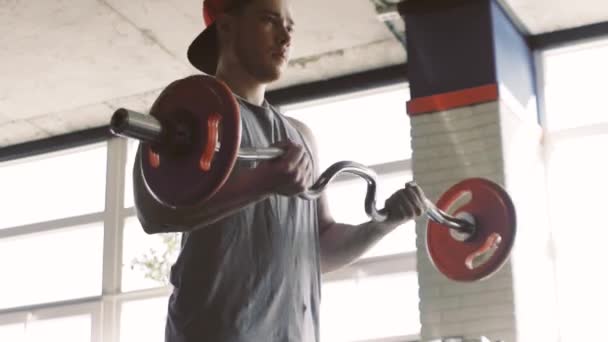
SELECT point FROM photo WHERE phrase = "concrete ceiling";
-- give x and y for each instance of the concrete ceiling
(542, 16)
(67, 64)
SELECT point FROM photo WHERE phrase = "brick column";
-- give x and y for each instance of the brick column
(473, 114)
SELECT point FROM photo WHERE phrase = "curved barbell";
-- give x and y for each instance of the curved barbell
(191, 141)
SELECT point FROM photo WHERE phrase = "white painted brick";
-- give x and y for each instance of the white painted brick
(489, 285)
(425, 265)
(430, 317)
(433, 278)
(484, 325)
(458, 113)
(476, 313)
(440, 304)
(472, 290)
(433, 157)
(433, 331)
(501, 335)
(429, 292)
(454, 113)
(458, 174)
(466, 148)
(483, 133)
(462, 113)
(443, 130)
(455, 125)
(471, 160)
(487, 298)
(449, 182)
(491, 107)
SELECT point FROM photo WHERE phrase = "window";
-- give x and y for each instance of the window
(68, 329)
(65, 329)
(143, 320)
(386, 306)
(12, 332)
(577, 134)
(370, 128)
(54, 186)
(56, 265)
(76, 323)
(147, 258)
(575, 86)
(52, 245)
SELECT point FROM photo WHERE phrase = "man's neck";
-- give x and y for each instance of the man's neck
(243, 85)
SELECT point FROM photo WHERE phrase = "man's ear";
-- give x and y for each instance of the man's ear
(225, 26)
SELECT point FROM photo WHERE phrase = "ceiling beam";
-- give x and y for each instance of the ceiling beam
(339, 86)
(565, 37)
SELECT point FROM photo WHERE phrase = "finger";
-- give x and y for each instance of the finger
(311, 171)
(414, 200)
(293, 157)
(310, 175)
(405, 197)
(283, 144)
(298, 161)
(286, 145)
(418, 190)
(306, 171)
(420, 198)
(398, 205)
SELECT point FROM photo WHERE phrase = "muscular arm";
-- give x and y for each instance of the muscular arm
(240, 190)
(341, 244)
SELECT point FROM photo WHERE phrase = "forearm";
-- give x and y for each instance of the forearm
(342, 244)
(237, 193)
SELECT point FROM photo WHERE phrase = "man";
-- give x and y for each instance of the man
(251, 259)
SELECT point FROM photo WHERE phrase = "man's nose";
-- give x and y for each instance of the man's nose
(284, 36)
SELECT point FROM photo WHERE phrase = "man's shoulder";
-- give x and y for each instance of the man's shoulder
(297, 124)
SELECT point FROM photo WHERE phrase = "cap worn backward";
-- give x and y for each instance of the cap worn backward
(203, 52)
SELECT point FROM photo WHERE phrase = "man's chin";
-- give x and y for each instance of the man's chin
(271, 74)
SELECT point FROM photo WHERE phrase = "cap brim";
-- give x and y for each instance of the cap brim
(203, 52)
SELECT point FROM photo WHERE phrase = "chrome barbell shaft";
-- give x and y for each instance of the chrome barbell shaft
(146, 128)
(131, 124)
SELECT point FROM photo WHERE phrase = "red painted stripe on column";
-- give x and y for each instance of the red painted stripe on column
(453, 99)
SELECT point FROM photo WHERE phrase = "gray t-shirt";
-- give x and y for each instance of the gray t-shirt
(253, 276)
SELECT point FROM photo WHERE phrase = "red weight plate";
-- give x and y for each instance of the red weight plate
(494, 213)
(178, 180)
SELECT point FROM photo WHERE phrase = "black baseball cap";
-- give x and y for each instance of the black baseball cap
(203, 52)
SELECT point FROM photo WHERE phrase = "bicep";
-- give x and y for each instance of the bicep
(324, 215)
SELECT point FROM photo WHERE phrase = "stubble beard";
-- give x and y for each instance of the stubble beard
(255, 65)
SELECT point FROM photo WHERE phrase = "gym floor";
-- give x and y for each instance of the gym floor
(77, 265)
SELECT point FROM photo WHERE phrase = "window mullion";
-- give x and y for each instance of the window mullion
(42, 227)
(376, 266)
(113, 238)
